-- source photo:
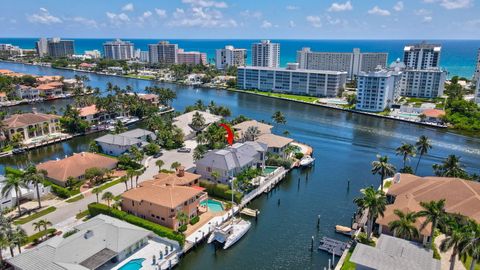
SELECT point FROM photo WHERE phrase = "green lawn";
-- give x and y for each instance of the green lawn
(347, 264)
(76, 198)
(467, 263)
(140, 77)
(109, 184)
(27, 219)
(82, 214)
(39, 235)
(295, 97)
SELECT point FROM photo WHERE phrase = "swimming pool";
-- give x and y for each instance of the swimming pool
(213, 206)
(269, 170)
(135, 264)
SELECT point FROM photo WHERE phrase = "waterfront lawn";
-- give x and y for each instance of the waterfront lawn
(309, 99)
(140, 77)
(44, 212)
(347, 264)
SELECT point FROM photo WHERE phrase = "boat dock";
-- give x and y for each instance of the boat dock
(333, 246)
(250, 212)
(266, 186)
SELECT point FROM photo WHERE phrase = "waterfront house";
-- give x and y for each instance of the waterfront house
(92, 115)
(276, 144)
(27, 92)
(149, 98)
(26, 193)
(229, 162)
(394, 253)
(117, 144)
(184, 121)
(50, 90)
(102, 242)
(407, 191)
(58, 171)
(162, 198)
(32, 126)
(434, 115)
(48, 79)
(241, 128)
(72, 84)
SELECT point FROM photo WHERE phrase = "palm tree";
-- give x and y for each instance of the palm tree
(97, 192)
(382, 168)
(423, 146)
(19, 237)
(3, 245)
(198, 121)
(159, 164)
(451, 167)
(124, 180)
(215, 175)
(404, 226)
(138, 173)
(406, 150)
(36, 178)
(130, 175)
(182, 217)
(470, 244)
(374, 201)
(251, 133)
(279, 118)
(13, 182)
(175, 165)
(433, 212)
(456, 231)
(107, 196)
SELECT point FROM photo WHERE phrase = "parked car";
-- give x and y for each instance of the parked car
(184, 150)
(157, 155)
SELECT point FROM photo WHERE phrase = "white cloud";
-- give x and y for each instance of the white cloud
(251, 14)
(422, 12)
(315, 21)
(85, 21)
(201, 17)
(117, 19)
(291, 7)
(43, 17)
(452, 4)
(398, 6)
(292, 24)
(427, 19)
(205, 3)
(378, 11)
(128, 7)
(266, 24)
(337, 7)
(147, 14)
(162, 13)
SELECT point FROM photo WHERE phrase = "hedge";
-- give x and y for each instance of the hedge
(221, 191)
(194, 220)
(97, 208)
(61, 192)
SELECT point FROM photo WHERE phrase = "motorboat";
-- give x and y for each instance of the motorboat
(343, 230)
(230, 232)
(307, 161)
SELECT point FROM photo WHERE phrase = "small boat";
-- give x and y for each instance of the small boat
(230, 232)
(307, 161)
(343, 230)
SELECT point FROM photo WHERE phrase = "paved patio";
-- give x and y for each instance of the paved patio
(445, 256)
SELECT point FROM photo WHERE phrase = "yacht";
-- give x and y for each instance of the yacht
(230, 232)
(307, 161)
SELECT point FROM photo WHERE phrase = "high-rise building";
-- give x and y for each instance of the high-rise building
(93, 54)
(422, 56)
(230, 56)
(163, 53)
(57, 47)
(7, 50)
(292, 80)
(191, 58)
(119, 50)
(351, 62)
(377, 90)
(424, 83)
(42, 47)
(477, 92)
(266, 54)
(476, 75)
(144, 56)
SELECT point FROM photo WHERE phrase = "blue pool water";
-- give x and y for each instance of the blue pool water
(213, 206)
(133, 265)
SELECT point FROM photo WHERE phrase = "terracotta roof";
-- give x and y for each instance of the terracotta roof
(148, 96)
(25, 119)
(49, 86)
(75, 165)
(5, 71)
(435, 113)
(48, 78)
(243, 126)
(88, 110)
(461, 196)
(166, 196)
(273, 140)
(3, 94)
(174, 179)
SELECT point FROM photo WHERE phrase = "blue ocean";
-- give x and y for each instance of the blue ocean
(458, 56)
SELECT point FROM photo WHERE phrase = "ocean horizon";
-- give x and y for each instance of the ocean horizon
(458, 55)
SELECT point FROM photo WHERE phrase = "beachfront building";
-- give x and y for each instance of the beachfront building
(477, 92)
(422, 56)
(42, 47)
(184, 122)
(60, 170)
(242, 133)
(9, 50)
(102, 242)
(57, 48)
(424, 83)
(117, 144)
(231, 161)
(407, 191)
(292, 80)
(118, 50)
(230, 57)
(191, 58)
(161, 199)
(32, 126)
(351, 62)
(163, 53)
(29, 192)
(394, 253)
(276, 144)
(377, 90)
(266, 54)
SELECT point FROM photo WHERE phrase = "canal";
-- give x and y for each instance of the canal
(344, 146)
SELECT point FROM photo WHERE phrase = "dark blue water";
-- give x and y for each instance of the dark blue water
(344, 145)
(458, 56)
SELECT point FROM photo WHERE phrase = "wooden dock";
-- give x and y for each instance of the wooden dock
(250, 212)
(333, 246)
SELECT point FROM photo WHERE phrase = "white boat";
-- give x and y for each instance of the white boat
(230, 232)
(307, 161)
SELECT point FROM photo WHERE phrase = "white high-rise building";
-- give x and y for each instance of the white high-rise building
(422, 56)
(42, 47)
(230, 56)
(144, 56)
(377, 90)
(266, 54)
(351, 62)
(119, 50)
(10, 50)
(93, 54)
(424, 83)
(162, 53)
(476, 75)
(477, 92)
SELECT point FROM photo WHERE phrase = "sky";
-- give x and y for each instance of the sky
(242, 19)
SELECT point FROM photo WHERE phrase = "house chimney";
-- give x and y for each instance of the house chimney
(181, 171)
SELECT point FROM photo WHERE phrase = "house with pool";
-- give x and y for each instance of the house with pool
(163, 198)
(101, 243)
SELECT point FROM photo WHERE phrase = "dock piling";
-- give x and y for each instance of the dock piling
(311, 246)
(318, 222)
(278, 202)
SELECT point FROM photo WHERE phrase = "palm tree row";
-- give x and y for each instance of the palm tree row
(10, 237)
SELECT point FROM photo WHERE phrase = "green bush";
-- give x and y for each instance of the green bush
(182, 228)
(69, 233)
(35, 238)
(97, 208)
(61, 192)
(299, 155)
(194, 220)
(13, 171)
(220, 191)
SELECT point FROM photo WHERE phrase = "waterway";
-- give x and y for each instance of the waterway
(344, 146)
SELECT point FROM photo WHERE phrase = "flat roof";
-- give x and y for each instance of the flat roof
(328, 72)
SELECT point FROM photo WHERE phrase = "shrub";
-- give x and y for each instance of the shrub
(221, 191)
(69, 233)
(97, 208)
(35, 238)
(299, 155)
(194, 220)
(60, 191)
(13, 171)
(182, 228)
